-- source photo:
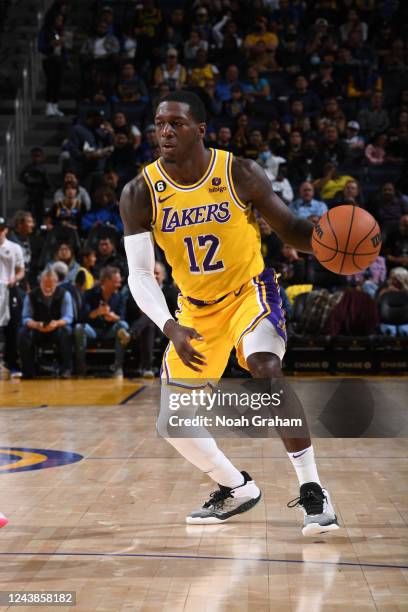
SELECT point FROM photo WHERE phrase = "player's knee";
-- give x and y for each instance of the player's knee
(264, 365)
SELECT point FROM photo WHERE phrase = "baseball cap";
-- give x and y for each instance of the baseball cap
(3, 223)
(172, 52)
(353, 125)
(322, 21)
(150, 128)
(202, 11)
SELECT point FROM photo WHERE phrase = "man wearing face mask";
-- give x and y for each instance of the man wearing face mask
(269, 162)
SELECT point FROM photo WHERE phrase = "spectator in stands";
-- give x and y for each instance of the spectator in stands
(374, 120)
(47, 317)
(65, 253)
(85, 278)
(281, 185)
(225, 85)
(202, 71)
(256, 88)
(130, 87)
(332, 182)
(69, 210)
(290, 266)
(354, 141)
(71, 178)
(324, 85)
(142, 330)
(128, 42)
(333, 115)
(202, 23)
(351, 194)
(261, 32)
(61, 270)
(111, 180)
(121, 124)
(396, 282)
(107, 256)
(102, 317)
(389, 205)
(192, 45)
(269, 162)
(22, 232)
(223, 28)
(123, 160)
(101, 50)
(289, 56)
(372, 278)
(311, 102)
(89, 145)
(171, 72)
(306, 206)
(35, 179)
(396, 244)
(240, 137)
(255, 146)
(51, 45)
(353, 23)
(147, 151)
(296, 119)
(333, 149)
(374, 152)
(11, 274)
(104, 211)
(224, 139)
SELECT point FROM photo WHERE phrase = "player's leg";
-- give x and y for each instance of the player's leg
(237, 491)
(263, 350)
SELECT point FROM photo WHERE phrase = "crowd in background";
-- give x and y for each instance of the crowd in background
(315, 92)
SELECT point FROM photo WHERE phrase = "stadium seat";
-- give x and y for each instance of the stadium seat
(85, 107)
(393, 308)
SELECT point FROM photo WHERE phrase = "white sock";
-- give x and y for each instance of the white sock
(305, 466)
(207, 457)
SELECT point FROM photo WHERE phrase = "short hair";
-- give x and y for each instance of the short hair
(197, 108)
(48, 272)
(85, 252)
(20, 216)
(108, 273)
(61, 270)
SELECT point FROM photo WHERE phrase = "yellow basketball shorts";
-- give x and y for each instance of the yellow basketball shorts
(223, 326)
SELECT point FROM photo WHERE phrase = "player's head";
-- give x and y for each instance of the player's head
(180, 125)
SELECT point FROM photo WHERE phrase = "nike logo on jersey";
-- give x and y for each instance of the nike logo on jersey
(161, 200)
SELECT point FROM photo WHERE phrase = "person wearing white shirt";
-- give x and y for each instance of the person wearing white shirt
(11, 272)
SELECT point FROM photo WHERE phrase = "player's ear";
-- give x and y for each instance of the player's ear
(202, 128)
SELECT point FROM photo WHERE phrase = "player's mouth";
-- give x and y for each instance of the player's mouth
(167, 146)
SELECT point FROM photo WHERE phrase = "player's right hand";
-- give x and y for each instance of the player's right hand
(181, 337)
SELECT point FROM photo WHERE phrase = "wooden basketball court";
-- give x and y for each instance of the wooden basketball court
(96, 503)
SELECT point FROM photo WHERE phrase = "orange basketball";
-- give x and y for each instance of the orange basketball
(346, 240)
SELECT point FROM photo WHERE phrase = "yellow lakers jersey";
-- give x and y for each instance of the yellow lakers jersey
(209, 236)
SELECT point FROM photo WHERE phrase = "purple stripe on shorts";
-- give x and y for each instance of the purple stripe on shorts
(276, 315)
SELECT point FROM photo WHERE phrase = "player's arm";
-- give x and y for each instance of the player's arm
(253, 186)
(136, 213)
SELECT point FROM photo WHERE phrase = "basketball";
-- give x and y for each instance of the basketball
(346, 240)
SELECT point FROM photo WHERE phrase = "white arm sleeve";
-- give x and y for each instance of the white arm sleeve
(142, 284)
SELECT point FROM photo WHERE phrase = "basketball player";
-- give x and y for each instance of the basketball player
(197, 203)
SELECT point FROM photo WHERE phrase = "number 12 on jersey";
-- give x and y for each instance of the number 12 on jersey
(212, 244)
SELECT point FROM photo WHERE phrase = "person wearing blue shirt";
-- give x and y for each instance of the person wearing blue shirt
(306, 207)
(102, 317)
(47, 317)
